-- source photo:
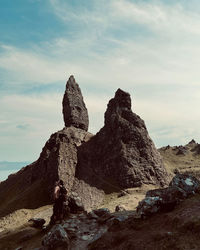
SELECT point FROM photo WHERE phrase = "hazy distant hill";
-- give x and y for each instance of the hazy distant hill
(7, 168)
(185, 159)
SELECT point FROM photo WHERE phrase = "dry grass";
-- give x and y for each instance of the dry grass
(190, 162)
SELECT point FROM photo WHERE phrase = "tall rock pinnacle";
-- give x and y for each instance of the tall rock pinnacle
(122, 153)
(74, 110)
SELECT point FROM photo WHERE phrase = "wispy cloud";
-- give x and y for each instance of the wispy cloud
(167, 19)
(148, 48)
(23, 126)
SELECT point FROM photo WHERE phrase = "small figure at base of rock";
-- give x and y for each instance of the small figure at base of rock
(59, 206)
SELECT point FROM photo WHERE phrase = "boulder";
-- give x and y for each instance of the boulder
(91, 197)
(37, 222)
(149, 206)
(101, 211)
(57, 238)
(74, 203)
(120, 208)
(74, 110)
(181, 186)
(186, 182)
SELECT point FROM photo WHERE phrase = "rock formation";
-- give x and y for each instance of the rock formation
(181, 187)
(74, 109)
(32, 186)
(122, 153)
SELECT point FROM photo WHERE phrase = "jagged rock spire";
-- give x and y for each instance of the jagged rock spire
(122, 152)
(117, 105)
(74, 110)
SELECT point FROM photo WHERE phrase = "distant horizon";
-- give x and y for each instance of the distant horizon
(4, 173)
(29, 162)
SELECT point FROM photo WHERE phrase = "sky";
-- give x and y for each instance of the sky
(145, 47)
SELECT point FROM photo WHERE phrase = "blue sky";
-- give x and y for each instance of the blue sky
(148, 48)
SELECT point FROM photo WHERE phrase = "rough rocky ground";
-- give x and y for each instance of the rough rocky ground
(178, 229)
(15, 226)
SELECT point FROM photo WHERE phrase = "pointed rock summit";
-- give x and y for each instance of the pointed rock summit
(122, 153)
(74, 110)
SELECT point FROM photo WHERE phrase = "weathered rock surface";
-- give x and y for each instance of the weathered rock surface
(182, 150)
(90, 196)
(74, 109)
(102, 211)
(32, 186)
(57, 238)
(122, 153)
(196, 149)
(186, 182)
(74, 203)
(181, 187)
(82, 229)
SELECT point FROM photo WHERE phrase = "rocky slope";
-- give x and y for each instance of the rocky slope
(174, 228)
(177, 229)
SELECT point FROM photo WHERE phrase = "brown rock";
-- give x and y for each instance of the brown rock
(74, 109)
(33, 185)
(121, 155)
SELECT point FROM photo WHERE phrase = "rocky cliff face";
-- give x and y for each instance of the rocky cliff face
(32, 186)
(74, 109)
(121, 155)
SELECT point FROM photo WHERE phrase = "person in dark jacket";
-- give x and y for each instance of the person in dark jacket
(59, 196)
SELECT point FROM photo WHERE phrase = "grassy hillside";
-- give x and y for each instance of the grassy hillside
(182, 158)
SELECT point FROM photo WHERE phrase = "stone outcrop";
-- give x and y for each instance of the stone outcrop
(37, 222)
(74, 109)
(80, 230)
(33, 185)
(160, 200)
(57, 238)
(121, 154)
(182, 150)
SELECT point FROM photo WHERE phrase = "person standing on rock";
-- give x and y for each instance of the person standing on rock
(59, 201)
